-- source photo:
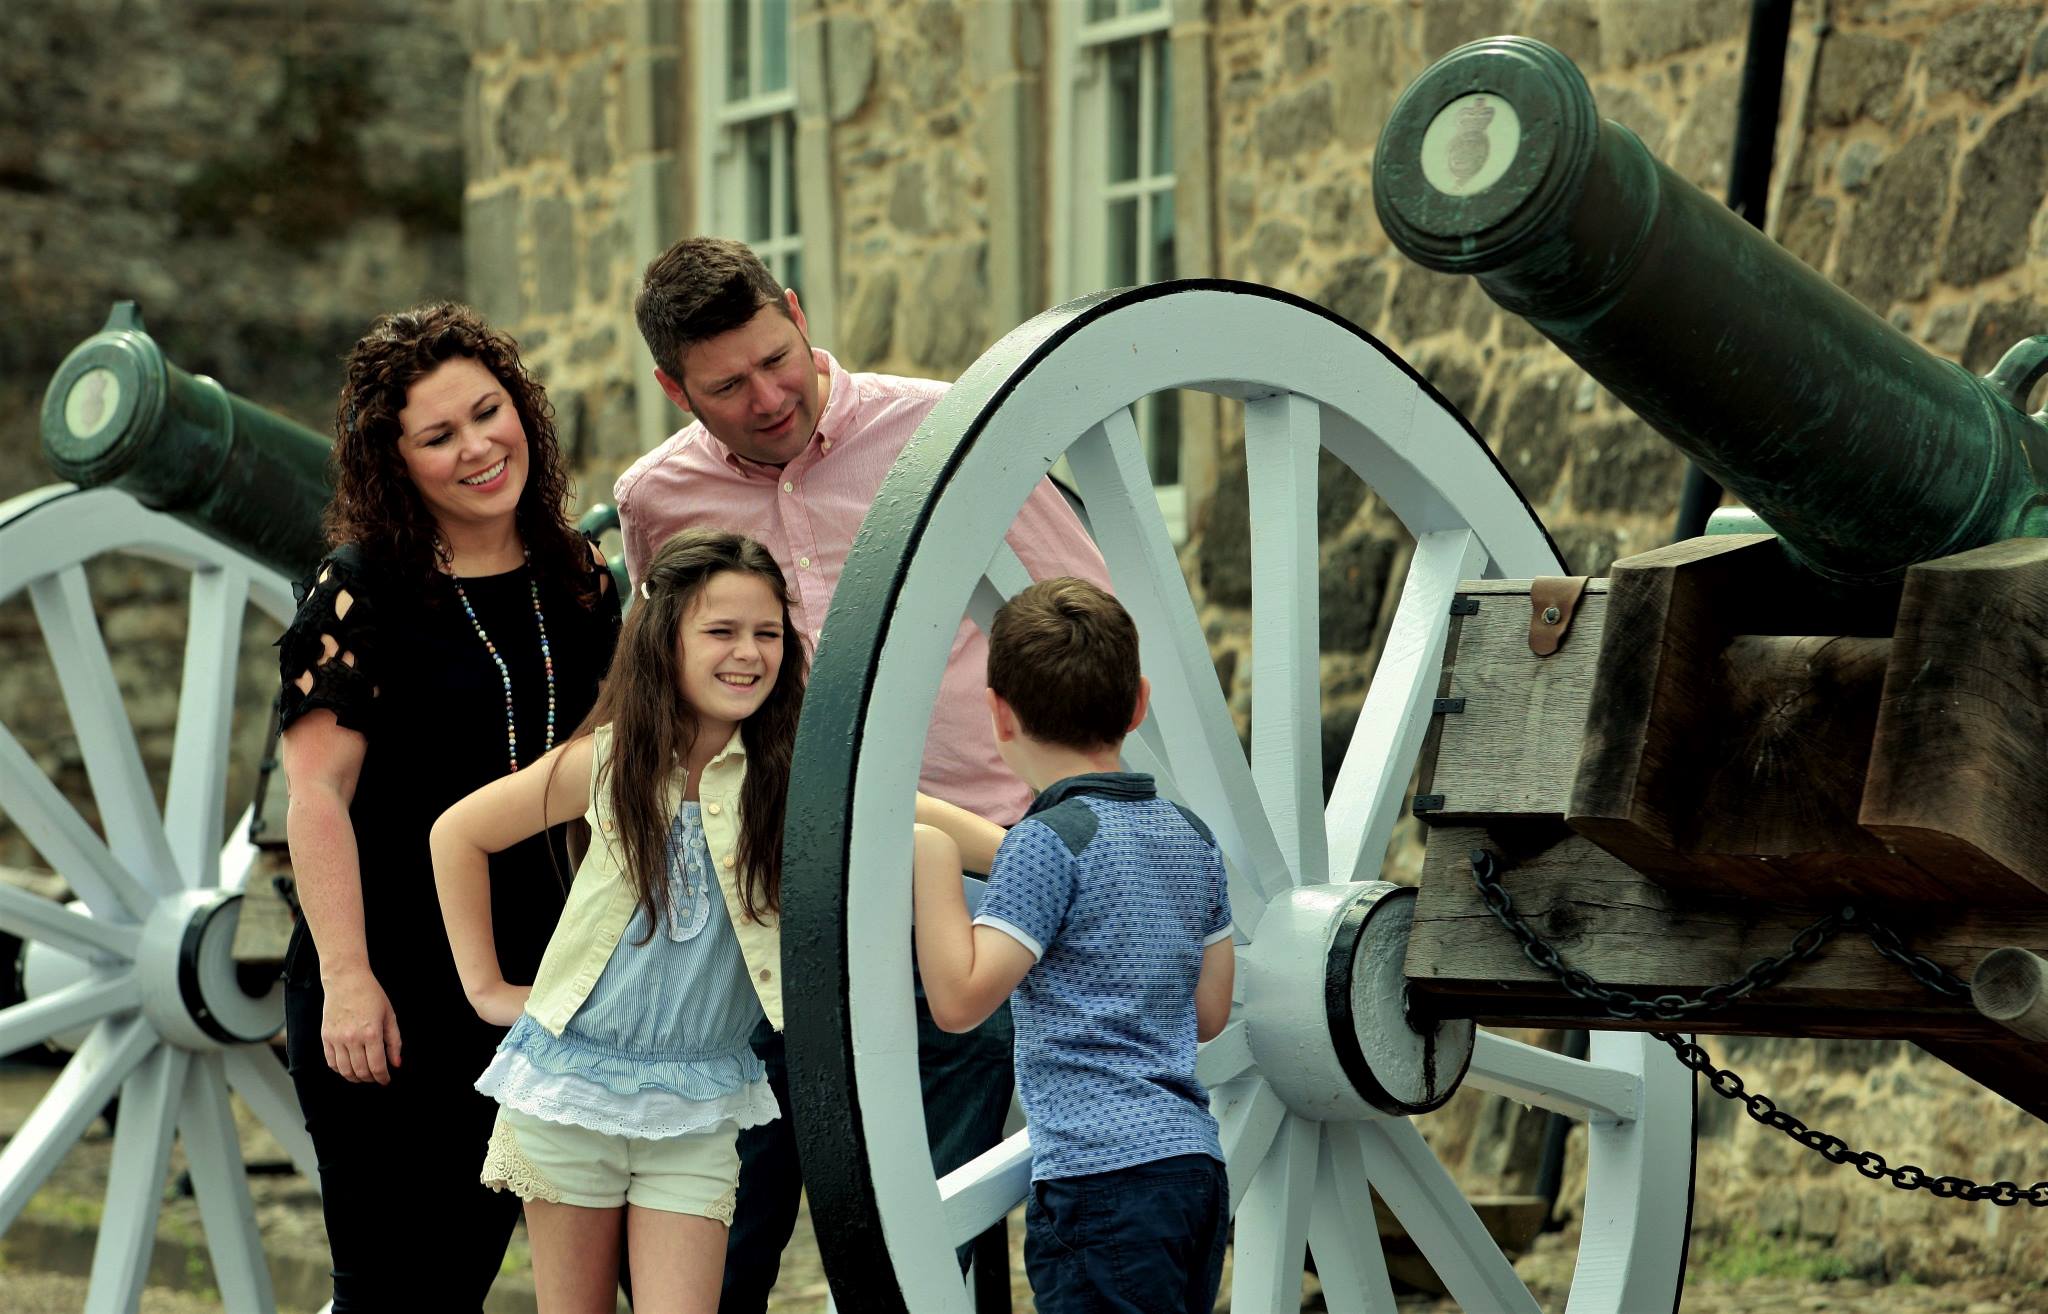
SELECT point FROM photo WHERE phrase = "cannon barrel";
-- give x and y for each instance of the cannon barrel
(119, 413)
(1862, 451)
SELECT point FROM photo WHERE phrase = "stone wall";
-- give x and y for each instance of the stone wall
(263, 179)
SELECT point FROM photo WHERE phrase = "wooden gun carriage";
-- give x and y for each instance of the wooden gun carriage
(1726, 742)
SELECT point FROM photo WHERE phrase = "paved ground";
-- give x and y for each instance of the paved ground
(44, 1257)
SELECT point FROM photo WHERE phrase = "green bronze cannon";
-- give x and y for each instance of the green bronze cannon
(1862, 450)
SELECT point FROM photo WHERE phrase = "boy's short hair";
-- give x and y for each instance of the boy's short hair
(697, 289)
(1064, 655)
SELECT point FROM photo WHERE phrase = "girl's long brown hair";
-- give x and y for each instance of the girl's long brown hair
(654, 727)
(375, 502)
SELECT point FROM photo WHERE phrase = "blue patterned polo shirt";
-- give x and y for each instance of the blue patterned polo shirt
(1116, 892)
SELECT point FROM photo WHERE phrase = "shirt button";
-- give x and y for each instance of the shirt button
(803, 563)
(728, 862)
(788, 487)
(825, 443)
(765, 974)
(712, 808)
(609, 825)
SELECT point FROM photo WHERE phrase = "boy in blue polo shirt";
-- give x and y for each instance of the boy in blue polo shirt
(1106, 914)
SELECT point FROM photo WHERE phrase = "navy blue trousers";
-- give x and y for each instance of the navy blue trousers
(1147, 1239)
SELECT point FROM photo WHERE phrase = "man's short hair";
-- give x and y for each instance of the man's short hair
(697, 289)
(1064, 655)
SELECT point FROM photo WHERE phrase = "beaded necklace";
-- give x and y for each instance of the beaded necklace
(547, 659)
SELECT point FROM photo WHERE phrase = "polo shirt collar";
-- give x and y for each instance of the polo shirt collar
(1109, 784)
(841, 411)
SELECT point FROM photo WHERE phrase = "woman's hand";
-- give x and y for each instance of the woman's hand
(500, 1004)
(358, 1030)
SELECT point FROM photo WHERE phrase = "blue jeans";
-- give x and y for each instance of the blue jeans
(1147, 1239)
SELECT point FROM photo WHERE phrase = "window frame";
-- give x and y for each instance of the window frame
(723, 197)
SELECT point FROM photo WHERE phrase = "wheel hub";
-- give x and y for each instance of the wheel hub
(1325, 1007)
(191, 989)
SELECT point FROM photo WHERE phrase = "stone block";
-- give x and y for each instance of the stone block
(1641, 31)
(1368, 70)
(2003, 182)
(1300, 51)
(948, 328)
(611, 432)
(1357, 290)
(1588, 550)
(1979, 51)
(525, 121)
(1859, 161)
(1859, 75)
(1889, 252)
(1223, 558)
(490, 257)
(1339, 494)
(1353, 585)
(1296, 124)
(1240, 206)
(1331, 208)
(554, 255)
(1634, 111)
(1274, 247)
(1706, 138)
(849, 65)
(1424, 303)
(928, 67)
(1999, 325)
(2037, 56)
(870, 328)
(909, 210)
(1571, 26)
(1623, 465)
(605, 261)
(1448, 24)
(1808, 227)
(1533, 436)
(1948, 329)
(590, 144)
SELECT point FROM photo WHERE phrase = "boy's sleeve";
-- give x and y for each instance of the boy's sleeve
(1031, 887)
(1218, 925)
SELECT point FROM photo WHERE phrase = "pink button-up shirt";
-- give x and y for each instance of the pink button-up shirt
(807, 514)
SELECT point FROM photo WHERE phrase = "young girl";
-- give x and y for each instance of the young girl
(626, 1076)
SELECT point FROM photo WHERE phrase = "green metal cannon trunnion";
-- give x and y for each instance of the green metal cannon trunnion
(1865, 453)
(118, 413)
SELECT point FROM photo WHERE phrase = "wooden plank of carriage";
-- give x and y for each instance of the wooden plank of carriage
(265, 926)
(1631, 933)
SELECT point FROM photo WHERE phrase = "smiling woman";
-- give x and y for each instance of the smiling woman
(459, 627)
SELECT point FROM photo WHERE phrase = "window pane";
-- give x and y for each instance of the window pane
(737, 15)
(1121, 110)
(760, 175)
(1120, 244)
(1162, 438)
(1162, 105)
(774, 44)
(786, 125)
(1101, 9)
(1141, 6)
(793, 272)
(1159, 241)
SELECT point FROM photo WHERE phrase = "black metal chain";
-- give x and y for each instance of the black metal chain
(1765, 972)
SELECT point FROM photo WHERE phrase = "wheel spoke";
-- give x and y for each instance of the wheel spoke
(1557, 1082)
(259, 1078)
(49, 823)
(1224, 1058)
(81, 1090)
(113, 763)
(1366, 801)
(32, 917)
(1004, 579)
(197, 796)
(135, 1183)
(979, 1192)
(68, 1008)
(1632, 1238)
(1282, 440)
(1272, 1225)
(237, 854)
(214, 1151)
(1343, 1235)
(1248, 1116)
(1393, 1156)
(1197, 734)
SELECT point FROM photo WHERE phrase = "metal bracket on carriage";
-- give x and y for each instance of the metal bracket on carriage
(1552, 601)
(1730, 747)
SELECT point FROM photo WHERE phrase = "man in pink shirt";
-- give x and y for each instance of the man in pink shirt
(789, 448)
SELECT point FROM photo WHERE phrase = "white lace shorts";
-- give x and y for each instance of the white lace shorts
(696, 1173)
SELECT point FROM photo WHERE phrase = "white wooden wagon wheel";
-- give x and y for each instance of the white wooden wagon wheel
(141, 963)
(1318, 1078)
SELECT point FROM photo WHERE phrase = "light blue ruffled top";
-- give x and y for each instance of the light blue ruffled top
(659, 1048)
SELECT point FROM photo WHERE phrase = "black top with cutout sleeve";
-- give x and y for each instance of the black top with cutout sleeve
(400, 662)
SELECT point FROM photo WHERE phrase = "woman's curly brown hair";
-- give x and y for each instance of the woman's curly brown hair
(376, 504)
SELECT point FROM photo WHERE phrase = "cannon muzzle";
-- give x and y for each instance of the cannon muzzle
(1863, 451)
(119, 413)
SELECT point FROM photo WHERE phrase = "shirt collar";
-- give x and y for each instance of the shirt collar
(841, 410)
(1109, 784)
(733, 746)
